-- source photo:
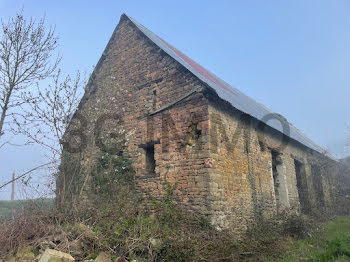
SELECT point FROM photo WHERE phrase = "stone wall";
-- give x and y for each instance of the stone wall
(246, 158)
(132, 81)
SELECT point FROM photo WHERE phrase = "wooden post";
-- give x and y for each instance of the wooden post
(13, 187)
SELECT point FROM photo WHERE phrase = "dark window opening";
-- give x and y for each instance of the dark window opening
(246, 146)
(317, 184)
(198, 133)
(262, 146)
(302, 187)
(276, 183)
(150, 160)
(154, 99)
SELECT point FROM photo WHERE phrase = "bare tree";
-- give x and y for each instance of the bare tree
(43, 121)
(26, 50)
(48, 112)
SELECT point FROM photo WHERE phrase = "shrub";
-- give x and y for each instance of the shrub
(298, 226)
(27, 227)
(111, 172)
(164, 232)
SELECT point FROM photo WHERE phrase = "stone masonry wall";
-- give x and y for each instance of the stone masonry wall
(242, 164)
(133, 79)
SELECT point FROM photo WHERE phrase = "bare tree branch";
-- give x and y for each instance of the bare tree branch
(26, 49)
(24, 174)
(47, 113)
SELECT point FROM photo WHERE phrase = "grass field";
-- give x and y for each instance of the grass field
(8, 207)
(332, 243)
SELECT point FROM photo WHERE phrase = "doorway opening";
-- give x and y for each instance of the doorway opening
(302, 187)
(279, 181)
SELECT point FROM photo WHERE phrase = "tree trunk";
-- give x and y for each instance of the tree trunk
(4, 110)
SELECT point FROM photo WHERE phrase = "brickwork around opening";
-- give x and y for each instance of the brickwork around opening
(226, 168)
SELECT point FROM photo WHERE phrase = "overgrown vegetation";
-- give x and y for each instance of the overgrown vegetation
(116, 220)
(169, 234)
(161, 231)
(112, 171)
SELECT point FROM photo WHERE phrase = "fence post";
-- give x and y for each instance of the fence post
(13, 187)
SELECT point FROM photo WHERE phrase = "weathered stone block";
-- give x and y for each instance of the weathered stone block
(51, 255)
(103, 257)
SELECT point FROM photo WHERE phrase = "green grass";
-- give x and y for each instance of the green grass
(8, 207)
(331, 244)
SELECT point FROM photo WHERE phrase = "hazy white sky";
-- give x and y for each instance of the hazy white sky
(292, 56)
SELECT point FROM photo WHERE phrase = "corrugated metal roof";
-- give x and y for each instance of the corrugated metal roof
(227, 92)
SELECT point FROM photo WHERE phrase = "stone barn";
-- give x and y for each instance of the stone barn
(233, 159)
